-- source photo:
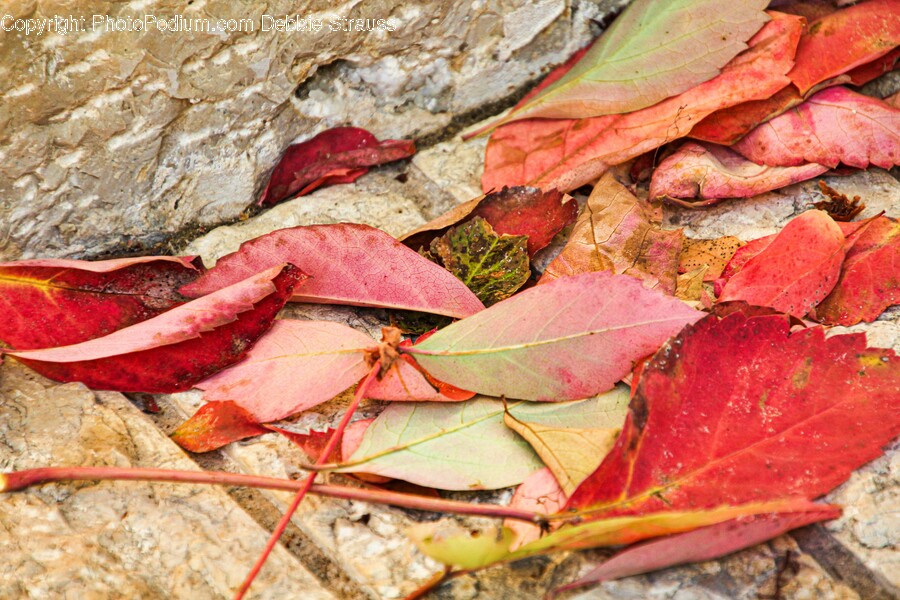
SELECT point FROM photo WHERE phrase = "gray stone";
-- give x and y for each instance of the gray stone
(115, 138)
(118, 539)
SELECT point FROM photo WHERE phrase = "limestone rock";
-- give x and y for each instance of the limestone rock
(119, 138)
(118, 539)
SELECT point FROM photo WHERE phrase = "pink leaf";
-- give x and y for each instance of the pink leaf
(834, 126)
(539, 493)
(703, 544)
(298, 365)
(339, 155)
(709, 171)
(348, 264)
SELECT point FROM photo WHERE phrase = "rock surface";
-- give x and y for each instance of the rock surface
(121, 138)
(118, 539)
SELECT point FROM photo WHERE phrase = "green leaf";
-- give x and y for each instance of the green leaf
(462, 547)
(654, 50)
(464, 445)
(493, 266)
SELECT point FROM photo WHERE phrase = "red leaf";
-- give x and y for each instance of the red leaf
(795, 271)
(339, 155)
(846, 39)
(703, 544)
(870, 276)
(173, 351)
(58, 302)
(730, 124)
(214, 425)
(834, 126)
(567, 153)
(711, 172)
(511, 211)
(738, 410)
(347, 264)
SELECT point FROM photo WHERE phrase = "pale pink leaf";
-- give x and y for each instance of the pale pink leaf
(350, 264)
(539, 493)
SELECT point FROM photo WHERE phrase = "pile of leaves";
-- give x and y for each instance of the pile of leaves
(742, 408)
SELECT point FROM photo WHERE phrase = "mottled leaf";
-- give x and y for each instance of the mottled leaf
(617, 232)
(513, 211)
(571, 338)
(834, 126)
(338, 155)
(568, 153)
(573, 453)
(651, 51)
(713, 254)
(58, 302)
(174, 350)
(460, 446)
(712, 172)
(845, 39)
(870, 276)
(739, 409)
(347, 264)
(690, 286)
(493, 266)
(706, 543)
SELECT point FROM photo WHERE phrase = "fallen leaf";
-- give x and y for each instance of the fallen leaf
(838, 206)
(59, 302)
(338, 155)
(492, 265)
(738, 410)
(713, 254)
(539, 493)
(690, 286)
(174, 350)
(214, 425)
(407, 381)
(347, 264)
(712, 172)
(298, 365)
(616, 232)
(833, 126)
(571, 338)
(706, 543)
(796, 270)
(649, 53)
(512, 211)
(573, 453)
(845, 39)
(450, 544)
(870, 277)
(458, 446)
(728, 125)
(568, 153)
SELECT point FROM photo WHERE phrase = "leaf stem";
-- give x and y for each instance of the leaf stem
(333, 441)
(20, 480)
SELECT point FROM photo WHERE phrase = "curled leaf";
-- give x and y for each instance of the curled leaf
(338, 155)
(173, 351)
(58, 302)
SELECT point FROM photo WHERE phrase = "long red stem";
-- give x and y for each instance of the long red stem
(308, 483)
(20, 480)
